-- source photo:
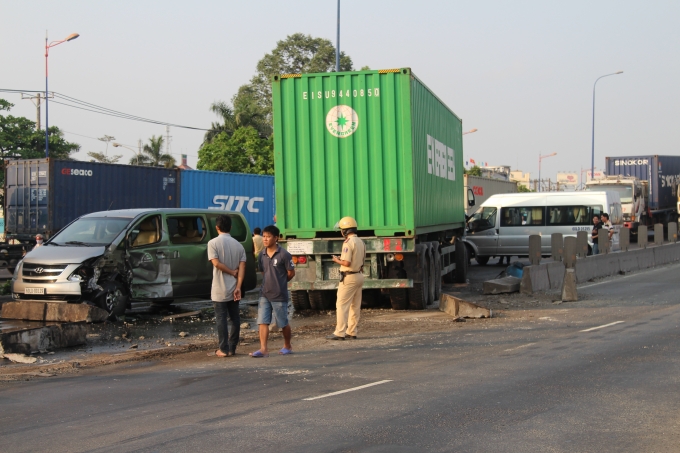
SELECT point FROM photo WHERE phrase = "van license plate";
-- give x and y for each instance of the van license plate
(34, 291)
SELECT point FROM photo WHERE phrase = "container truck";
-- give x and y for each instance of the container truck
(647, 185)
(44, 195)
(381, 147)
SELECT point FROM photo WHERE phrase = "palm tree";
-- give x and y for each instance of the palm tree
(152, 154)
(228, 124)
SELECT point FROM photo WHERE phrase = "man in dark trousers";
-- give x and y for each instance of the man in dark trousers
(228, 258)
(277, 268)
(597, 226)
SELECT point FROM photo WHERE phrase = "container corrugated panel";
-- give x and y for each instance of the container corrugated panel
(374, 145)
(45, 195)
(662, 172)
(252, 195)
(483, 188)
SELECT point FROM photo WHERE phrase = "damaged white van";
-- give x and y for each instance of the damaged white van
(111, 258)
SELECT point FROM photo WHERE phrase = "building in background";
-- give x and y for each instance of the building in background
(184, 165)
(501, 172)
(567, 179)
(522, 179)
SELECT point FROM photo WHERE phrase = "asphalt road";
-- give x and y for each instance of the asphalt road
(601, 375)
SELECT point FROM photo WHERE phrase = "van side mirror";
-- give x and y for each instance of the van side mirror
(471, 198)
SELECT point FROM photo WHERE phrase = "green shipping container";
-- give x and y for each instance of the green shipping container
(375, 145)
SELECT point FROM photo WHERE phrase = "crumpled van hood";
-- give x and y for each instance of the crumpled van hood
(52, 254)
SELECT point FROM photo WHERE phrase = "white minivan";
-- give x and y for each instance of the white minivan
(502, 225)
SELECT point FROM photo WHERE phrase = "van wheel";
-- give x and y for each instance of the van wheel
(398, 299)
(436, 271)
(482, 260)
(112, 299)
(419, 294)
(300, 300)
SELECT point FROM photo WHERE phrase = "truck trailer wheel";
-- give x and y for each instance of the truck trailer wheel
(419, 294)
(398, 299)
(300, 300)
(431, 281)
(460, 257)
(436, 271)
(316, 301)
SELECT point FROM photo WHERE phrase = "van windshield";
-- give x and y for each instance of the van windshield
(91, 231)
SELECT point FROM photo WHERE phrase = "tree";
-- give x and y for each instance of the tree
(228, 124)
(523, 188)
(474, 171)
(103, 158)
(296, 54)
(152, 154)
(244, 151)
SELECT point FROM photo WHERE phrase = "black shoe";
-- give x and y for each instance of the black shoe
(334, 337)
(350, 337)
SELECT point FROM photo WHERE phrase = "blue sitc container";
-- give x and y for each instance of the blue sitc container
(252, 195)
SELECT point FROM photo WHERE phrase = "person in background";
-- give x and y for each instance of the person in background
(228, 258)
(607, 225)
(597, 226)
(258, 245)
(351, 263)
(38, 241)
(277, 268)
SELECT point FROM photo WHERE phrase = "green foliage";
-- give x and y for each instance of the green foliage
(103, 158)
(19, 139)
(473, 171)
(153, 156)
(522, 188)
(244, 151)
(6, 287)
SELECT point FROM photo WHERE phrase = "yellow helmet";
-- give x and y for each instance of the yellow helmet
(346, 222)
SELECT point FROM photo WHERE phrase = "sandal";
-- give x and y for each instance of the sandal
(258, 354)
(285, 351)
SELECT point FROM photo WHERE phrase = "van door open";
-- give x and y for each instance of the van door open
(483, 227)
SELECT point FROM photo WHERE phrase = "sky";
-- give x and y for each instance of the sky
(520, 72)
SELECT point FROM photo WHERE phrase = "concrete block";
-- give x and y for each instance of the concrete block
(502, 285)
(52, 311)
(658, 234)
(42, 338)
(570, 251)
(665, 254)
(582, 243)
(556, 246)
(556, 273)
(642, 236)
(585, 269)
(624, 239)
(645, 259)
(603, 242)
(672, 232)
(569, 286)
(460, 308)
(628, 261)
(535, 249)
(534, 278)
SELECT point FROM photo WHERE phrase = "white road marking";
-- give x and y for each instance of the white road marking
(348, 390)
(602, 327)
(519, 347)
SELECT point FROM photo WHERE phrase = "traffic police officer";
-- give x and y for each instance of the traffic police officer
(349, 290)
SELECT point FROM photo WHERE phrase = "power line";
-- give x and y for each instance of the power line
(87, 106)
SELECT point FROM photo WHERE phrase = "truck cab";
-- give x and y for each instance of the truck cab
(633, 193)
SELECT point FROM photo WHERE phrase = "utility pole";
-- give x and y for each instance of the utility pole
(337, 45)
(36, 101)
(167, 139)
(139, 153)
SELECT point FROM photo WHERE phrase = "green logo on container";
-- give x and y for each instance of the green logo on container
(342, 121)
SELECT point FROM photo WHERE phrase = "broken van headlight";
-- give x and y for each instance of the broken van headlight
(80, 274)
(17, 270)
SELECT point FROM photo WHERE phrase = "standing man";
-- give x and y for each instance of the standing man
(607, 225)
(349, 290)
(38, 241)
(277, 268)
(597, 226)
(228, 258)
(257, 242)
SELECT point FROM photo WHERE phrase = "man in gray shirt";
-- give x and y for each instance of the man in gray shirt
(229, 266)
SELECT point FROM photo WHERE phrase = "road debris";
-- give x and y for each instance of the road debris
(181, 315)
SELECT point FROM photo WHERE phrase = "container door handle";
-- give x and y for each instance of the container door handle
(160, 255)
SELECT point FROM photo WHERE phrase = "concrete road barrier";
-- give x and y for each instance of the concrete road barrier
(569, 293)
(556, 246)
(460, 308)
(52, 311)
(645, 258)
(582, 244)
(658, 234)
(624, 239)
(502, 285)
(628, 262)
(665, 254)
(42, 338)
(555, 274)
(535, 249)
(642, 236)
(672, 232)
(534, 278)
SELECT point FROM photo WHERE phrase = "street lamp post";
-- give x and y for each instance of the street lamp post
(70, 37)
(138, 153)
(470, 131)
(540, 158)
(592, 156)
